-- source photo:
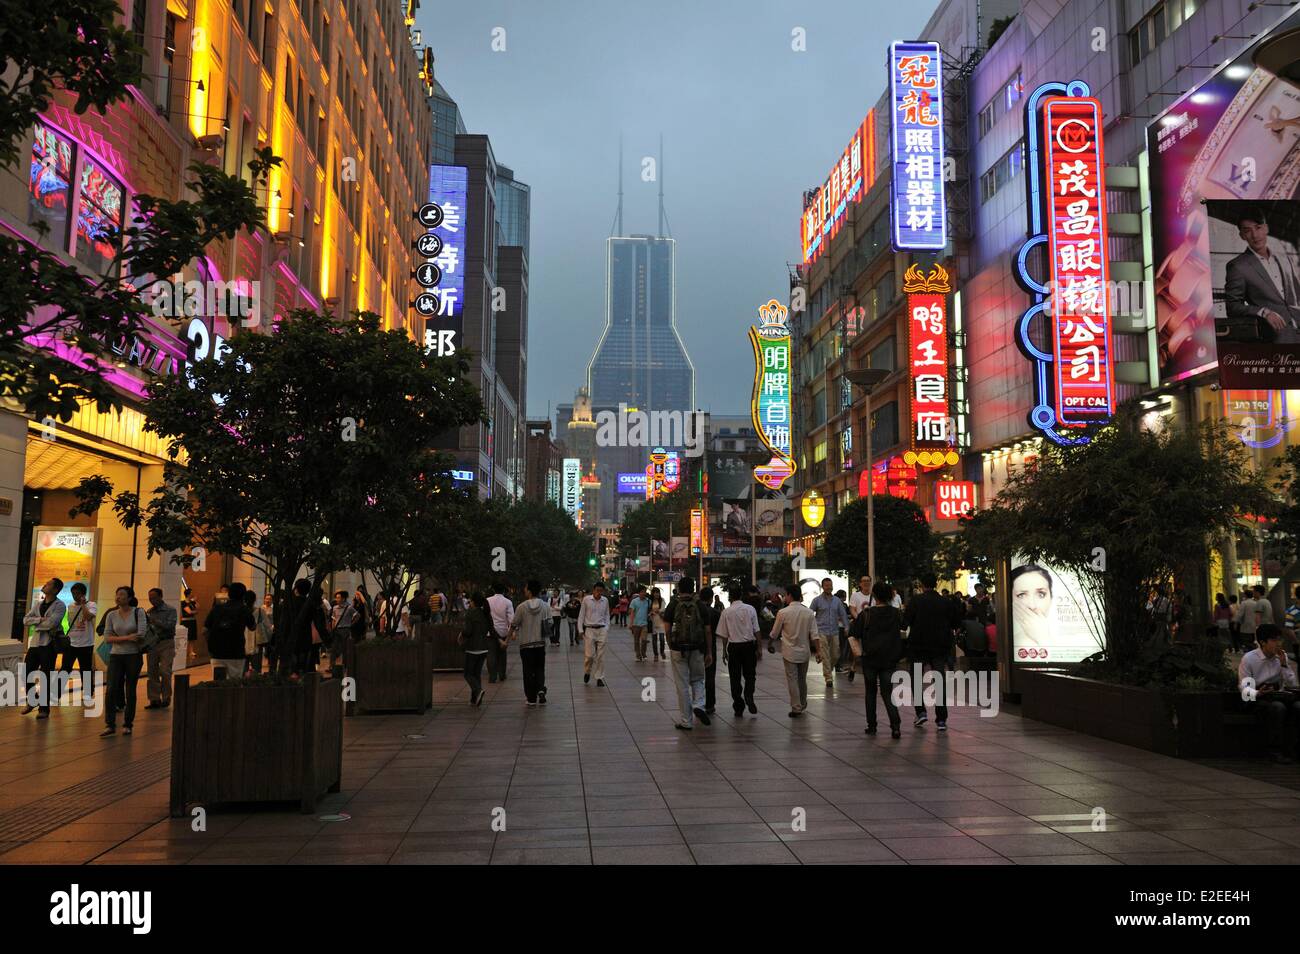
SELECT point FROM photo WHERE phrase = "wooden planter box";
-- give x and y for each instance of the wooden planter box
(256, 743)
(1183, 724)
(448, 656)
(391, 675)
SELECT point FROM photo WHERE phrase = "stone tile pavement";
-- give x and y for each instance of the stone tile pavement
(601, 776)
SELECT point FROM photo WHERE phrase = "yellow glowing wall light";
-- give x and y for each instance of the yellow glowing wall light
(201, 80)
(813, 507)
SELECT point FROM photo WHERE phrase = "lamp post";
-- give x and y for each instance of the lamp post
(867, 379)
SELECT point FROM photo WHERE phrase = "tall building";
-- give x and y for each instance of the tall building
(336, 90)
(545, 466)
(492, 317)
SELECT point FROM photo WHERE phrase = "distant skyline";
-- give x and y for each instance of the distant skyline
(748, 125)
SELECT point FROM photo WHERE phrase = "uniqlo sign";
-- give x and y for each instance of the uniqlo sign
(927, 317)
(1076, 230)
(954, 498)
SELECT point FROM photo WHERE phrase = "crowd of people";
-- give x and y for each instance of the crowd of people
(871, 631)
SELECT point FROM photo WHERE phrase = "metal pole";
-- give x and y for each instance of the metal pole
(871, 506)
(753, 548)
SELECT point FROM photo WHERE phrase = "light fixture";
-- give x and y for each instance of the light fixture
(200, 86)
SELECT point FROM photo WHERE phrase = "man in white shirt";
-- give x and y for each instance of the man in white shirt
(860, 598)
(738, 627)
(1267, 680)
(593, 623)
(47, 617)
(503, 615)
(796, 627)
(1248, 616)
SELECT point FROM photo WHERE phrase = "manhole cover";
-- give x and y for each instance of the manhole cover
(340, 817)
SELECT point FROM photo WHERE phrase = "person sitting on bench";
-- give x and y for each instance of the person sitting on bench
(1268, 684)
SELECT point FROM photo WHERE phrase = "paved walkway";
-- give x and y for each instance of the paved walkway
(599, 775)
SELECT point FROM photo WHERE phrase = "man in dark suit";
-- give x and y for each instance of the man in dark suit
(1261, 288)
(930, 618)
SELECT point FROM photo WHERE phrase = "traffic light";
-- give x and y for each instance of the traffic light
(591, 560)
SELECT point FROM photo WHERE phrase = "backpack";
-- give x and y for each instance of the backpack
(688, 627)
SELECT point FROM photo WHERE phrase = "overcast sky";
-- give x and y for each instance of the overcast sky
(747, 122)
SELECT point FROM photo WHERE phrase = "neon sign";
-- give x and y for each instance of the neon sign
(954, 498)
(916, 92)
(1074, 383)
(697, 532)
(848, 181)
(771, 404)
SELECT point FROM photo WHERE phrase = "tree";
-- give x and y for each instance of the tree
(904, 542)
(284, 453)
(1133, 509)
(83, 51)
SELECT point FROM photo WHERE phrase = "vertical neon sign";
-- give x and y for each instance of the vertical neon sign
(771, 404)
(916, 92)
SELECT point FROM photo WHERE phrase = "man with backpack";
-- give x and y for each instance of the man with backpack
(689, 640)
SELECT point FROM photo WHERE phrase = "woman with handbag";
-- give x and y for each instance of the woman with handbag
(124, 631)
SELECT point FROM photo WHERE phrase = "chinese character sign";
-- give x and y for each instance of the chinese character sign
(672, 471)
(1076, 229)
(440, 262)
(916, 93)
(954, 498)
(697, 531)
(771, 402)
(848, 181)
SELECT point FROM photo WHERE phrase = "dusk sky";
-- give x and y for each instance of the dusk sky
(747, 122)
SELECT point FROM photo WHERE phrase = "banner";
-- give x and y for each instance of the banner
(68, 553)
(1052, 618)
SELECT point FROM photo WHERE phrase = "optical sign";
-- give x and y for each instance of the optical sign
(916, 93)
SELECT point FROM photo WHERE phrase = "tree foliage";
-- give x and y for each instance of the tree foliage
(904, 542)
(1132, 509)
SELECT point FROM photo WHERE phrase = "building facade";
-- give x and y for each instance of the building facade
(333, 87)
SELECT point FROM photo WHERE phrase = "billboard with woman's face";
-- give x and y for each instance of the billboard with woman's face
(1225, 178)
(1053, 620)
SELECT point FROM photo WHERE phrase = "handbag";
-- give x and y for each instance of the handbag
(855, 646)
(149, 635)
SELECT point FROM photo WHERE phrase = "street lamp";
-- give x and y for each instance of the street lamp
(866, 379)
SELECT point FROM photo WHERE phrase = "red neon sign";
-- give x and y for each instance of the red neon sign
(849, 180)
(1076, 230)
(954, 498)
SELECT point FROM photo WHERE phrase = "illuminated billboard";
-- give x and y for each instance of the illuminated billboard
(631, 484)
(916, 93)
(697, 532)
(771, 403)
(1074, 384)
(927, 347)
(954, 498)
(848, 181)
(571, 493)
(441, 273)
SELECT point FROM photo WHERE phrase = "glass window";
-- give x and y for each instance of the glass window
(99, 216)
(49, 185)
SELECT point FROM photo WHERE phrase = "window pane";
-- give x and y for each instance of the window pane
(50, 184)
(99, 216)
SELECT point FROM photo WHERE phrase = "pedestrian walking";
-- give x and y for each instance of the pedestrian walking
(879, 631)
(657, 626)
(639, 615)
(190, 620)
(225, 626)
(832, 619)
(342, 616)
(593, 623)
(264, 628)
(796, 628)
(503, 614)
(686, 623)
(477, 637)
(531, 618)
(47, 617)
(162, 621)
(81, 638)
(929, 618)
(738, 627)
(124, 630)
(572, 609)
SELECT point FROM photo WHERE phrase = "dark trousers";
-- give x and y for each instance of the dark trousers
(711, 685)
(880, 678)
(83, 656)
(555, 630)
(1274, 715)
(939, 664)
(474, 671)
(533, 661)
(123, 673)
(496, 661)
(41, 659)
(742, 662)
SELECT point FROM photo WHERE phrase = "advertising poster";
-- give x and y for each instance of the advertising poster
(1052, 618)
(1224, 156)
(69, 553)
